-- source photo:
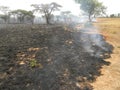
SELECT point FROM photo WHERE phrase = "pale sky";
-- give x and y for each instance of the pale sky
(113, 6)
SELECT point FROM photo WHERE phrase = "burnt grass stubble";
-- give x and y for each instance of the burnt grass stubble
(65, 64)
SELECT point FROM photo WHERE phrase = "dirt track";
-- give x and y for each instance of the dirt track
(110, 78)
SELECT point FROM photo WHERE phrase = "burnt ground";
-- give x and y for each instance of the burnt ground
(41, 57)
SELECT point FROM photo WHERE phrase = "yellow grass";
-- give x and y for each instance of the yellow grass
(110, 80)
(110, 28)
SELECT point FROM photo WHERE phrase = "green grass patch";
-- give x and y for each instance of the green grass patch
(33, 63)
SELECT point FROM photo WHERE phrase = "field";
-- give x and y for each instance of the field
(57, 57)
(110, 79)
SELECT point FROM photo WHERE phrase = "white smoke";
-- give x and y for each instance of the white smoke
(91, 40)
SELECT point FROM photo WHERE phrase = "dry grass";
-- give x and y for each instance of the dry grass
(110, 80)
(110, 27)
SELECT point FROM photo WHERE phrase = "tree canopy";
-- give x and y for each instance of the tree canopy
(21, 14)
(92, 7)
(5, 13)
(46, 9)
(4, 9)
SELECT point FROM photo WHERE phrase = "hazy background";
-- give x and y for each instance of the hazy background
(112, 5)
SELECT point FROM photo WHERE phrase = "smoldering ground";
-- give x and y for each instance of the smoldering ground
(66, 59)
(92, 41)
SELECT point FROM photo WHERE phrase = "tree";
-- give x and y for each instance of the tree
(22, 14)
(112, 16)
(92, 7)
(118, 14)
(4, 17)
(66, 15)
(46, 9)
(29, 16)
(4, 9)
(5, 13)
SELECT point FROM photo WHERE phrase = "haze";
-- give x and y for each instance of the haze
(112, 5)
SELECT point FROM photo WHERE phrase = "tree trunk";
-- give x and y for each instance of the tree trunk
(90, 18)
(32, 21)
(47, 17)
(47, 20)
(8, 21)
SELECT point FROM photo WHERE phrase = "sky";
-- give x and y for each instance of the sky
(113, 6)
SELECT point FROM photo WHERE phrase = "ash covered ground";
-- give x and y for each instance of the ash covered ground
(50, 57)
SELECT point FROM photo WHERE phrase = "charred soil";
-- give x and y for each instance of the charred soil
(41, 57)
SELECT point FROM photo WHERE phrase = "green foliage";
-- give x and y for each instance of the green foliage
(33, 63)
(92, 7)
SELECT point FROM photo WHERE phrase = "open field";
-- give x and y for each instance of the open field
(110, 78)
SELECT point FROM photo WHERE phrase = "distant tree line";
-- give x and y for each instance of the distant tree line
(91, 8)
(16, 16)
(24, 16)
(115, 15)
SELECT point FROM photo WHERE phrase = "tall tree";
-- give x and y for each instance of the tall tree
(46, 9)
(5, 13)
(92, 7)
